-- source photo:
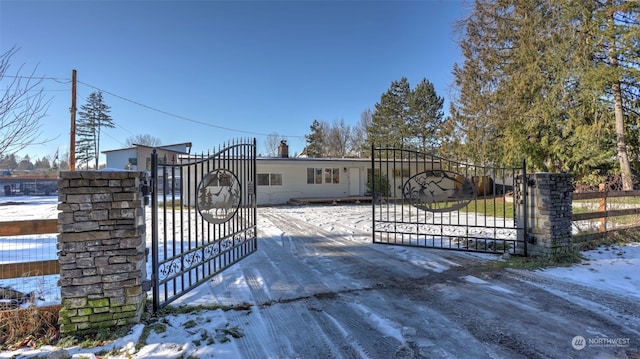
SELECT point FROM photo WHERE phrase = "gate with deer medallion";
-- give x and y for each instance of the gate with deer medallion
(203, 210)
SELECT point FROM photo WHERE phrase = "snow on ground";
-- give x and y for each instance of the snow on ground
(213, 333)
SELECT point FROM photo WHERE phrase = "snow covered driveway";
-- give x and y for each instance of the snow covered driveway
(320, 289)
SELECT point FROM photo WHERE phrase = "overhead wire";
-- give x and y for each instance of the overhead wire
(67, 81)
(179, 116)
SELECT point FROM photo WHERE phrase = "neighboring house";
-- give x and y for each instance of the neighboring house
(138, 157)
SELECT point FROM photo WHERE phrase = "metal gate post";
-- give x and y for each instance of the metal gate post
(154, 229)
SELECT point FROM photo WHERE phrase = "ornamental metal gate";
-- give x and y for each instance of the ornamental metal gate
(426, 201)
(203, 210)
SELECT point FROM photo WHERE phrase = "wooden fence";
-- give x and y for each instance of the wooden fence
(29, 269)
(608, 217)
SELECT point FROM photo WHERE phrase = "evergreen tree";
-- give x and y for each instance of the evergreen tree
(406, 117)
(85, 149)
(94, 115)
(548, 81)
(8, 162)
(390, 116)
(316, 140)
(43, 164)
(426, 116)
(614, 27)
(25, 164)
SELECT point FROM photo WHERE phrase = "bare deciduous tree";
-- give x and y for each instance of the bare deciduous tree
(339, 139)
(22, 105)
(272, 142)
(145, 140)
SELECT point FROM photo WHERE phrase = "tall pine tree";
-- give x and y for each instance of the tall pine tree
(94, 115)
(425, 116)
(316, 140)
(552, 82)
(405, 117)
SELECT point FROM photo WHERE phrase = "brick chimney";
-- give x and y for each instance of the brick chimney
(283, 149)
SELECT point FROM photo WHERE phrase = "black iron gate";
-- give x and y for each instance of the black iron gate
(203, 210)
(426, 201)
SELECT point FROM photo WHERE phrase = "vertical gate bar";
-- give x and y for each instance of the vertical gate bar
(254, 195)
(525, 190)
(192, 172)
(395, 208)
(394, 170)
(181, 199)
(373, 195)
(154, 230)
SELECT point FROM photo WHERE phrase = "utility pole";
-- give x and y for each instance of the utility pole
(72, 136)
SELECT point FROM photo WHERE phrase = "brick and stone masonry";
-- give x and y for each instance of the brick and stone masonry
(101, 249)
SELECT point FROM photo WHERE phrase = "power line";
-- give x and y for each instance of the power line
(56, 79)
(182, 117)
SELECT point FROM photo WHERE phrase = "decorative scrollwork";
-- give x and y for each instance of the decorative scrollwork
(226, 244)
(211, 250)
(192, 259)
(169, 268)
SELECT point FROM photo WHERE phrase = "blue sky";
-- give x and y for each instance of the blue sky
(210, 71)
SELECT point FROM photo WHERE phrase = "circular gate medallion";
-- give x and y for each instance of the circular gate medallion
(438, 191)
(218, 196)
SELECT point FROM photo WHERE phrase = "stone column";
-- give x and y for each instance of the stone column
(549, 211)
(101, 249)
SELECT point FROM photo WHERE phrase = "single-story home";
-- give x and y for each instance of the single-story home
(279, 179)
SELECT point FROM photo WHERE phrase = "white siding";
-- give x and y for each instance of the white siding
(294, 179)
(120, 159)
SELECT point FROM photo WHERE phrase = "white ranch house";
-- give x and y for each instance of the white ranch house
(279, 179)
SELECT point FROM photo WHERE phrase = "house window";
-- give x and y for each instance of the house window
(276, 179)
(269, 179)
(263, 179)
(316, 175)
(331, 175)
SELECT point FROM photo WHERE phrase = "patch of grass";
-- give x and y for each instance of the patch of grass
(494, 207)
(194, 309)
(190, 324)
(90, 339)
(31, 327)
(541, 262)
(620, 237)
(223, 334)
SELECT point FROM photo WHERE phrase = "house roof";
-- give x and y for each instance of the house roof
(163, 147)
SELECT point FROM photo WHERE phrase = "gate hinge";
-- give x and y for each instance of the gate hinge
(147, 284)
(145, 188)
(531, 183)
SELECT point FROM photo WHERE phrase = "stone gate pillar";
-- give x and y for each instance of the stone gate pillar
(101, 249)
(548, 213)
